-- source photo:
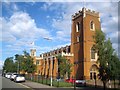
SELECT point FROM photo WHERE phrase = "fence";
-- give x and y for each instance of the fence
(47, 80)
(62, 83)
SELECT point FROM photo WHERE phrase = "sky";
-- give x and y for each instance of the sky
(22, 23)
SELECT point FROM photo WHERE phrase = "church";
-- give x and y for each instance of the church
(80, 52)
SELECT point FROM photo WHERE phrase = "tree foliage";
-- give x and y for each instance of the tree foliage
(19, 60)
(10, 65)
(25, 62)
(22, 63)
(28, 65)
(106, 58)
(64, 66)
(115, 66)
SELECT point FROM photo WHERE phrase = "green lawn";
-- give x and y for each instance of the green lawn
(54, 82)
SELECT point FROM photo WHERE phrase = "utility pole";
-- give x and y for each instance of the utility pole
(51, 79)
(18, 67)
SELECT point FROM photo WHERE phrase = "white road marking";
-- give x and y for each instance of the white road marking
(25, 86)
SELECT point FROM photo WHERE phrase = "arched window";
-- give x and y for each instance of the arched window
(92, 53)
(92, 25)
(78, 26)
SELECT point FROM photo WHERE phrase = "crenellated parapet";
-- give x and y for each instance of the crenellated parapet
(77, 14)
(92, 12)
(66, 54)
(85, 12)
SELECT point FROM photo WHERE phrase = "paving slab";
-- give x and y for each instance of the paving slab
(36, 85)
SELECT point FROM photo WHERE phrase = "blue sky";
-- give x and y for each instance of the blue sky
(25, 22)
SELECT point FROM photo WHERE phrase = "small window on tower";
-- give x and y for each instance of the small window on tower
(78, 39)
(78, 26)
(92, 53)
(37, 62)
(92, 25)
(32, 54)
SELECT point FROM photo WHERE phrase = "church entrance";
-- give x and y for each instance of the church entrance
(93, 71)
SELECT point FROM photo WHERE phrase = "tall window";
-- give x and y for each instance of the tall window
(92, 53)
(78, 26)
(91, 75)
(92, 25)
(49, 63)
(53, 62)
(37, 62)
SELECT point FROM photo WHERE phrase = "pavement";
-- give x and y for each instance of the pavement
(109, 84)
(35, 85)
(30, 85)
(38, 86)
(8, 84)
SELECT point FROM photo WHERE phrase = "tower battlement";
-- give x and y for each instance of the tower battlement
(77, 14)
(85, 11)
(92, 12)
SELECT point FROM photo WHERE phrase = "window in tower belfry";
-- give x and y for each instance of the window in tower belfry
(78, 26)
(92, 25)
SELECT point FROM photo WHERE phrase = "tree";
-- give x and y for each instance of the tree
(105, 51)
(115, 66)
(29, 67)
(9, 65)
(26, 53)
(19, 61)
(25, 62)
(64, 66)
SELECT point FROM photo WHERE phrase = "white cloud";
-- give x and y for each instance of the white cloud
(48, 48)
(63, 23)
(21, 25)
(46, 5)
(20, 29)
(78, 0)
(108, 14)
(15, 7)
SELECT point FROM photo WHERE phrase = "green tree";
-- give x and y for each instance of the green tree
(105, 51)
(25, 62)
(64, 66)
(29, 67)
(115, 66)
(9, 65)
(19, 61)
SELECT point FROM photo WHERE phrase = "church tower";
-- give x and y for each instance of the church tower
(84, 24)
(33, 52)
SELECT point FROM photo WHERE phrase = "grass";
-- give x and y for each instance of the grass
(62, 84)
(54, 82)
(58, 84)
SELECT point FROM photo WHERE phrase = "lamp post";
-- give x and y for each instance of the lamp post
(75, 66)
(49, 39)
(18, 67)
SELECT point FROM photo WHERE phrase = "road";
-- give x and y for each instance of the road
(8, 84)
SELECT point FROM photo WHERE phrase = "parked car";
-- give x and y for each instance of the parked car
(80, 82)
(77, 82)
(19, 78)
(70, 80)
(8, 75)
(12, 77)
